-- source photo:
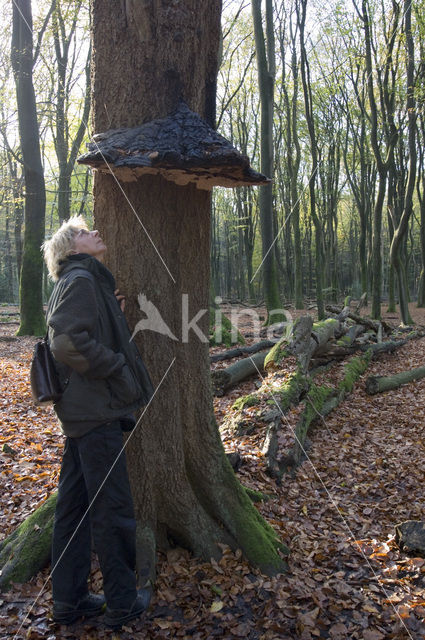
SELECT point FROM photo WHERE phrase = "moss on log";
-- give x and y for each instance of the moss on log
(246, 401)
(306, 340)
(299, 342)
(286, 396)
(377, 384)
(27, 549)
(353, 370)
(320, 401)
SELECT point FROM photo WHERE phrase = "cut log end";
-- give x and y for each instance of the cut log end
(372, 385)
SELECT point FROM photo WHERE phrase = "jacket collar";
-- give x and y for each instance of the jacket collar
(92, 264)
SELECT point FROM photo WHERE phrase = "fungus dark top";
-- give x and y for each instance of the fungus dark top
(182, 148)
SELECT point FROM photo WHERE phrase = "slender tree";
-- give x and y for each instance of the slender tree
(67, 144)
(31, 307)
(301, 7)
(383, 156)
(401, 228)
(266, 67)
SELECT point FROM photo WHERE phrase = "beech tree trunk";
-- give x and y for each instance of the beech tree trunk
(264, 49)
(146, 57)
(31, 275)
(301, 9)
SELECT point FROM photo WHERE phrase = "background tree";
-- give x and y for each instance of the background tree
(266, 67)
(383, 157)
(23, 58)
(67, 138)
(400, 229)
(309, 114)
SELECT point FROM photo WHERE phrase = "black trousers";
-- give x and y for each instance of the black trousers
(110, 520)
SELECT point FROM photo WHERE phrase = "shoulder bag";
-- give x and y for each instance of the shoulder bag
(46, 387)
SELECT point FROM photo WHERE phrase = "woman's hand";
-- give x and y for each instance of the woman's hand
(120, 298)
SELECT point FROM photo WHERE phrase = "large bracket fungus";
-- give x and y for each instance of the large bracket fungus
(182, 148)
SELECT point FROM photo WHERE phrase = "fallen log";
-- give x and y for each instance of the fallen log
(319, 402)
(336, 351)
(284, 397)
(368, 322)
(378, 384)
(240, 351)
(222, 379)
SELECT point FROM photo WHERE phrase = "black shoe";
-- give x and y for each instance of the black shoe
(115, 618)
(89, 605)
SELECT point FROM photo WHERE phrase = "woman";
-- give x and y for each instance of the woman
(105, 381)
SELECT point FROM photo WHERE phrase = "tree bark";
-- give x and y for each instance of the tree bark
(158, 235)
(240, 351)
(67, 146)
(401, 230)
(31, 277)
(223, 379)
(264, 47)
(309, 113)
(377, 384)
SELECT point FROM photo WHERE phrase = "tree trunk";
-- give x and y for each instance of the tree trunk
(383, 159)
(309, 113)
(158, 233)
(31, 277)
(402, 228)
(266, 78)
(66, 145)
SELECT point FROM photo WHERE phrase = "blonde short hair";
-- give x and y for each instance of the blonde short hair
(61, 244)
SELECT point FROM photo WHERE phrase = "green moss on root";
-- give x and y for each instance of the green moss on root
(27, 549)
(256, 496)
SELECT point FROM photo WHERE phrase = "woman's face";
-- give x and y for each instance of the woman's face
(89, 242)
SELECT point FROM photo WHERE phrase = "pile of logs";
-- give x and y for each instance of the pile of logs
(308, 347)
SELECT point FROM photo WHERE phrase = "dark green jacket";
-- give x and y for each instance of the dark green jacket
(104, 376)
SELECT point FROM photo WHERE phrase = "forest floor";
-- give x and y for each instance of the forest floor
(347, 579)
